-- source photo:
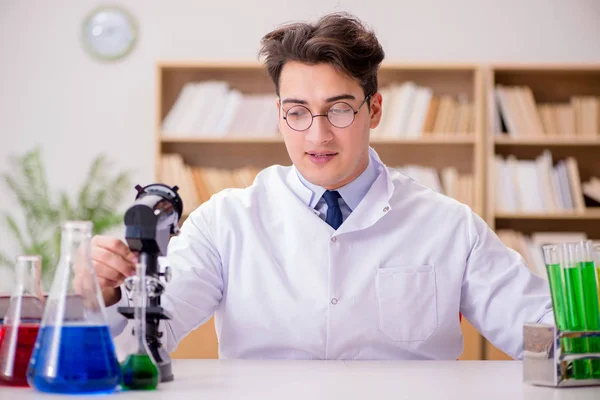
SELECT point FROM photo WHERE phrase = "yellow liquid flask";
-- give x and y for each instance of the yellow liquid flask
(74, 351)
(22, 322)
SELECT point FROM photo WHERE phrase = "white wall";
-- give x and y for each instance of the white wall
(53, 94)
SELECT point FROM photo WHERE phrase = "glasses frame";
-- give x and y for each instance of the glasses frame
(326, 114)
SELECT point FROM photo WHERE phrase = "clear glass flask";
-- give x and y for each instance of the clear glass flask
(139, 370)
(74, 351)
(21, 322)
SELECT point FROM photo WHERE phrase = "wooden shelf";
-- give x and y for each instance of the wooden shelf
(223, 140)
(569, 68)
(245, 64)
(550, 84)
(589, 214)
(441, 140)
(547, 141)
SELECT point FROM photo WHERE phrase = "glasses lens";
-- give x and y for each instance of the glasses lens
(340, 115)
(299, 118)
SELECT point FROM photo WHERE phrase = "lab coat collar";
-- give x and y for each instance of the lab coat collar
(352, 193)
(373, 206)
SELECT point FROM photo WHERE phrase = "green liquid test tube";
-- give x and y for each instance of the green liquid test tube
(591, 296)
(563, 280)
(139, 371)
(576, 316)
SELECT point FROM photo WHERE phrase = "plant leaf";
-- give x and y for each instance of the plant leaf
(98, 201)
(66, 211)
(5, 260)
(14, 229)
(101, 225)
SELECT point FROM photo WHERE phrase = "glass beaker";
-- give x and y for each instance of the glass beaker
(21, 322)
(139, 370)
(74, 350)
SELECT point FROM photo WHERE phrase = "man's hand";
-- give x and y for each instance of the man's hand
(112, 262)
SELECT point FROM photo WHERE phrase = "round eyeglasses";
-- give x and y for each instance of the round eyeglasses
(340, 115)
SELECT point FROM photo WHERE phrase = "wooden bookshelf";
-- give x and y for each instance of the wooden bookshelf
(553, 141)
(445, 140)
(465, 152)
(589, 214)
(551, 85)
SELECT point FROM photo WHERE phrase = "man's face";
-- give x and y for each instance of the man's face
(324, 154)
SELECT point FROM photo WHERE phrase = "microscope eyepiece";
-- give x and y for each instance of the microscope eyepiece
(153, 218)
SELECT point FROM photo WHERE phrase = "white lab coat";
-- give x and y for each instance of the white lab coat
(388, 284)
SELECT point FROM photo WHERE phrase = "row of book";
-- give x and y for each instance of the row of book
(517, 114)
(447, 181)
(540, 186)
(530, 246)
(214, 109)
(198, 184)
(411, 111)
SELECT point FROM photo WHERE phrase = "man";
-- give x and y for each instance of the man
(337, 257)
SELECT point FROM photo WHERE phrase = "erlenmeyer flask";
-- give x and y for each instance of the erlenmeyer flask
(139, 370)
(22, 322)
(74, 351)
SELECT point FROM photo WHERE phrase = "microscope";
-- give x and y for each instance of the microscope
(149, 224)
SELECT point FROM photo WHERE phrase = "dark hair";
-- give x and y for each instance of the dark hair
(339, 39)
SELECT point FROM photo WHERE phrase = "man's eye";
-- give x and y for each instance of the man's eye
(297, 113)
(339, 111)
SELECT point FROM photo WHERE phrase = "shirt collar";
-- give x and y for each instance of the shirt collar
(352, 193)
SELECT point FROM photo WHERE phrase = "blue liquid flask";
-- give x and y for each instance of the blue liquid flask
(74, 351)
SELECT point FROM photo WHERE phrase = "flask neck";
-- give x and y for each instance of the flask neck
(74, 244)
(28, 273)
(140, 301)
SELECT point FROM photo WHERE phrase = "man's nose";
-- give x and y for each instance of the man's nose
(320, 130)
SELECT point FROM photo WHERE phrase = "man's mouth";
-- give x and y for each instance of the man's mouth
(321, 154)
(321, 157)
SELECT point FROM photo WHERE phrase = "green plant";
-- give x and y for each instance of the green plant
(97, 200)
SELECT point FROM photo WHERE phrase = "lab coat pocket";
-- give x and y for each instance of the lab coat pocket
(406, 299)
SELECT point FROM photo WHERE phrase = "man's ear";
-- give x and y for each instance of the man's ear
(376, 109)
(279, 119)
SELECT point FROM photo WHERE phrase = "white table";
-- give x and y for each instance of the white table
(346, 380)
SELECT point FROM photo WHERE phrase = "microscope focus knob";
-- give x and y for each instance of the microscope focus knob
(168, 274)
(130, 283)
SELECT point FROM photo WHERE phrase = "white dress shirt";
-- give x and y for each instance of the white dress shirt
(351, 194)
(389, 283)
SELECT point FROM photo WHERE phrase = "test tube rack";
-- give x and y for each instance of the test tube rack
(544, 364)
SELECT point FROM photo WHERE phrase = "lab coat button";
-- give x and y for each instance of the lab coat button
(334, 301)
(386, 209)
(333, 239)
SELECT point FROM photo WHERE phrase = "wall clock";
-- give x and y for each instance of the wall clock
(109, 33)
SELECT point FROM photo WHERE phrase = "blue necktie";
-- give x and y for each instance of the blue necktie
(334, 213)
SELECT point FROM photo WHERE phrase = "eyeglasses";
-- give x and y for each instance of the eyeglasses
(340, 115)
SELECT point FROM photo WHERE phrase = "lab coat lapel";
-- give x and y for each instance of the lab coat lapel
(374, 206)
